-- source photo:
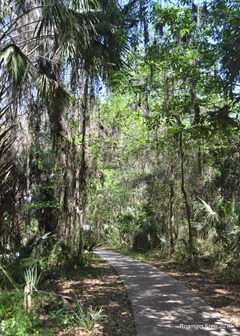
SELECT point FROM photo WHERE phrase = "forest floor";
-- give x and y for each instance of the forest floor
(217, 289)
(97, 286)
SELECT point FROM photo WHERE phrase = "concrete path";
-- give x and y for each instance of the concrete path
(161, 305)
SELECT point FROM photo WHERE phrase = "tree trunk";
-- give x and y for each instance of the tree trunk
(83, 175)
(187, 205)
(171, 212)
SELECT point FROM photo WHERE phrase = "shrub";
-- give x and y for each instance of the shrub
(14, 319)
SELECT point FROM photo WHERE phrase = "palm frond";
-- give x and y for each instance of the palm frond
(5, 167)
(31, 275)
(7, 160)
(16, 63)
(31, 272)
(92, 33)
(9, 277)
(209, 211)
(76, 40)
(54, 17)
(4, 133)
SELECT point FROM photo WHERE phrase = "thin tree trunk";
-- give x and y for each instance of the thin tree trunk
(171, 212)
(83, 175)
(196, 107)
(187, 206)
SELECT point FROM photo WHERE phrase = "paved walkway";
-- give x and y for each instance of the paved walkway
(161, 305)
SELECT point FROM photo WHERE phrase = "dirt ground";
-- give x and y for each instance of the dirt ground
(103, 288)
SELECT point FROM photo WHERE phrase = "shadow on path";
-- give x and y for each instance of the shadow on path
(161, 305)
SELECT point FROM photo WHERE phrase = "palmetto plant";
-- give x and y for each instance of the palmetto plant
(222, 223)
(87, 318)
(31, 272)
(32, 278)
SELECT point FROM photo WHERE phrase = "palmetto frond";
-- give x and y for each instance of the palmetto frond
(76, 29)
(92, 38)
(16, 63)
(211, 214)
(7, 161)
(54, 16)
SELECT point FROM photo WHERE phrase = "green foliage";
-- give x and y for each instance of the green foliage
(6, 277)
(87, 258)
(50, 312)
(56, 254)
(222, 227)
(32, 276)
(17, 63)
(111, 235)
(109, 155)
(87, 318)
(19, 272)
(90, 239)
(13, 317)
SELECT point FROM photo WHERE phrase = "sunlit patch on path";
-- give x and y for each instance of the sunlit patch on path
(162, 305)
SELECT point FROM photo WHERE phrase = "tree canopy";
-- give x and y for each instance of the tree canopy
(120, 123)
